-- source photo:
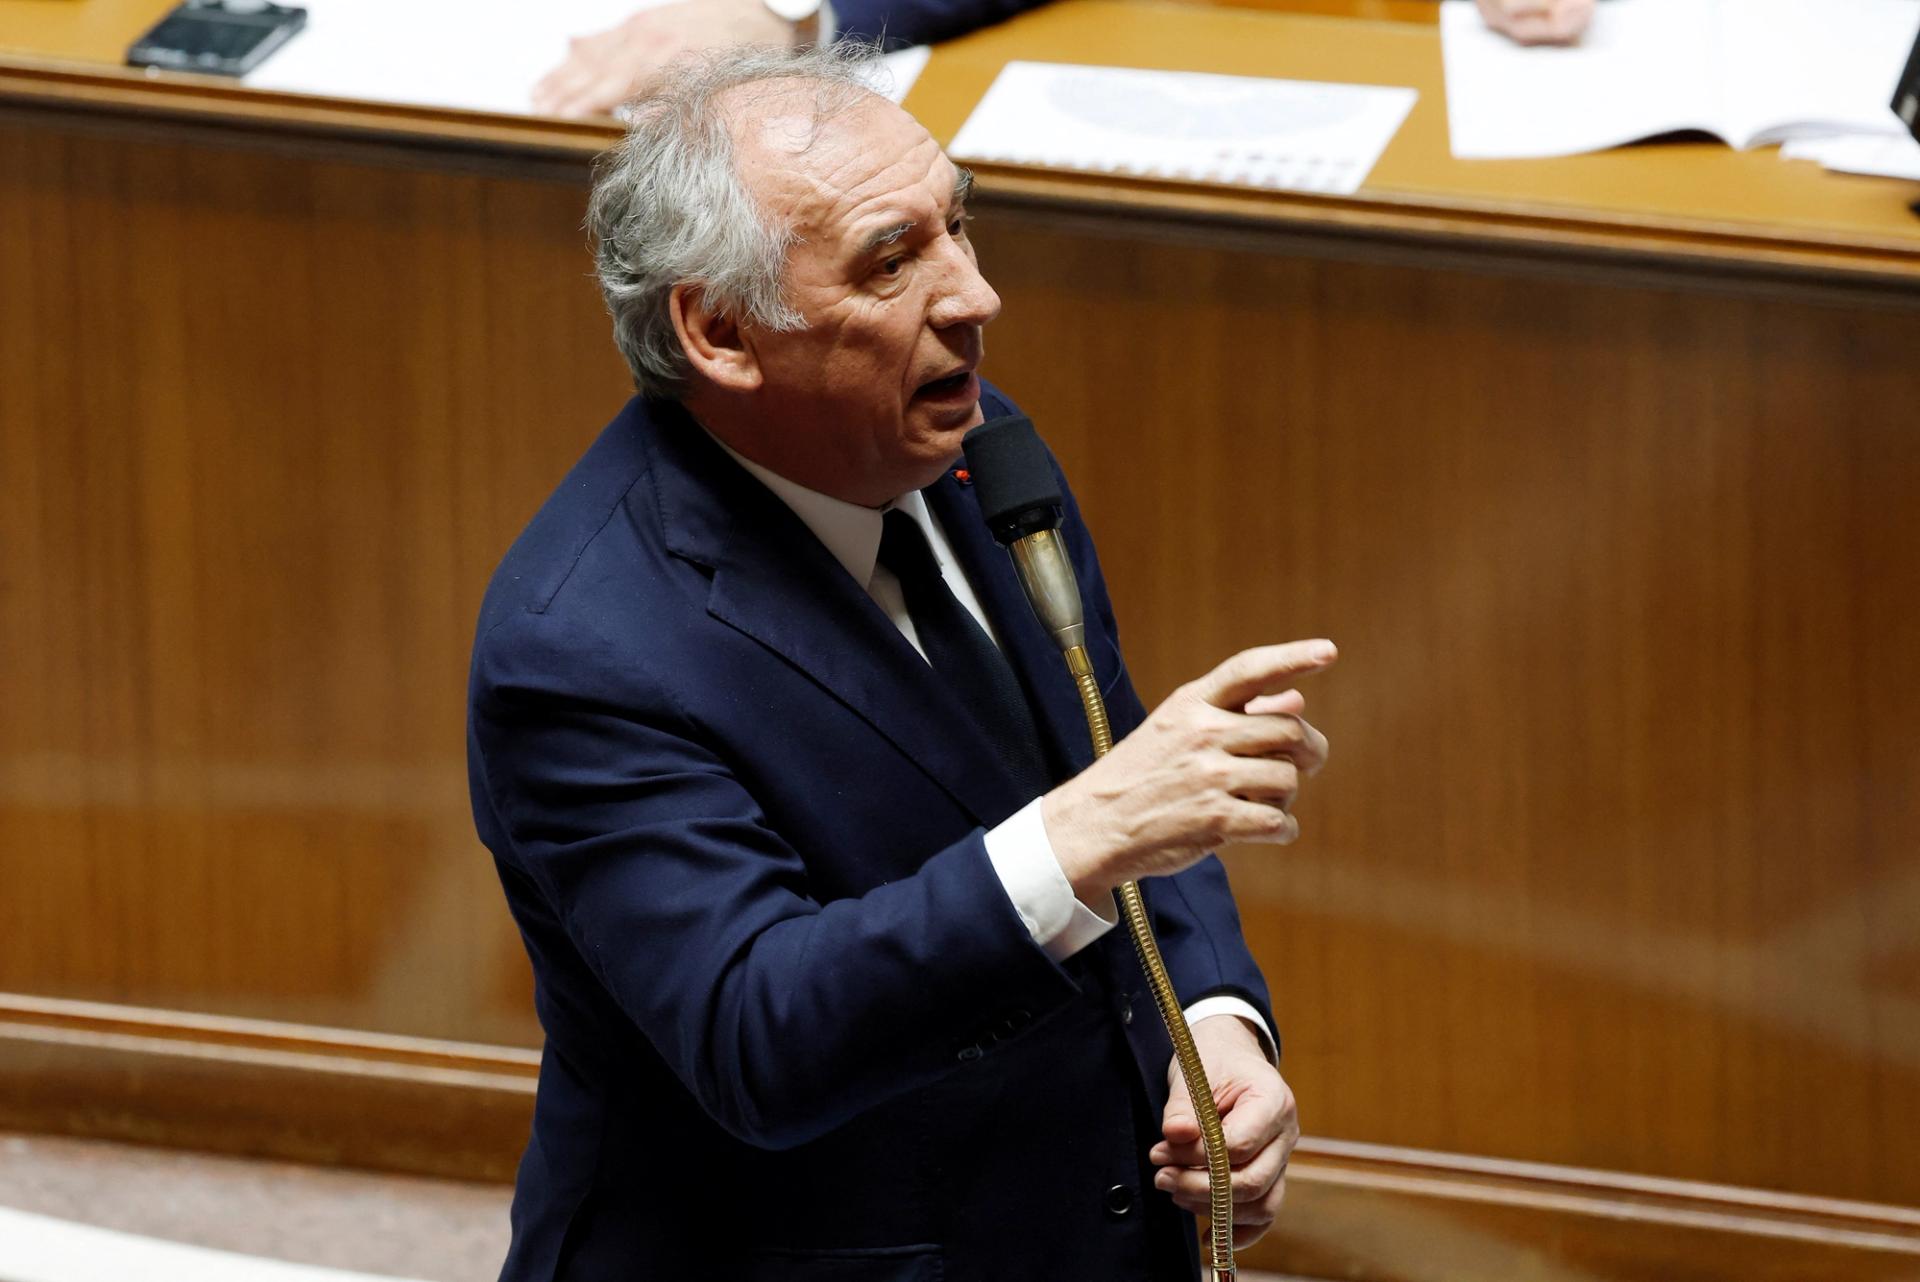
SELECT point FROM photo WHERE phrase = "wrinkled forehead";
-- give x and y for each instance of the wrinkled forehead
(815, 161)
(787, 116)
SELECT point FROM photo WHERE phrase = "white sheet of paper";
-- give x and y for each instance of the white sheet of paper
(477, 55)
(1807, 68)
(902, 68)
(1636, 72)
(1752, 72)
(474, 55)
(1285, 134)
(1883, 156)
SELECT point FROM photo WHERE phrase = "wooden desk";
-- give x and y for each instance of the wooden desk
(1599, 469)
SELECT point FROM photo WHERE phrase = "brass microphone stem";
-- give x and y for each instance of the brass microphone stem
(1192, 1071)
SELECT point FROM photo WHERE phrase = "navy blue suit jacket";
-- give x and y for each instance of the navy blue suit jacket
(795, 1029)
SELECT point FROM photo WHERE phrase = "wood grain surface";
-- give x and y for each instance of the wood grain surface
(1366, 1212)
(1681, 196)
(1617, 859)
(1678, 198)
(269, 425)
(1606, 496)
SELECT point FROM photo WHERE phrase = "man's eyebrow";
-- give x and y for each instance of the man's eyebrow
(883, 237)
(879, 239)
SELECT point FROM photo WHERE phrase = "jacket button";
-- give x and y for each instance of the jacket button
(970, 1053)
(1119, 1201)
(1126, 1009)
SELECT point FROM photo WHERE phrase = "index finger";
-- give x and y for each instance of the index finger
(1262, 670)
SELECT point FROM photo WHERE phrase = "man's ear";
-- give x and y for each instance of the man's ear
(712, 340)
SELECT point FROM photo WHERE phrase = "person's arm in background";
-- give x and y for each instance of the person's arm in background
(895, 24)
(605, 69)
(1538, 22)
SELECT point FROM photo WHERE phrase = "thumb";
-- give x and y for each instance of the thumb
(1289, 702)
(1178, 1123)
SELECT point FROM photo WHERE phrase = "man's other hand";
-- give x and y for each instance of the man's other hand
(1259, 1118)
(602, 71)
(1219, 761)
(1538, 22)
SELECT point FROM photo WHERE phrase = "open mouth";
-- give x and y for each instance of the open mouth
(952, 385)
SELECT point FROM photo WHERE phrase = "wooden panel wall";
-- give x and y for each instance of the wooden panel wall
(1617, 859)
(269, 422)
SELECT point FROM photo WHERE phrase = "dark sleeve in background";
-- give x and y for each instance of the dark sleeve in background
(895, 24)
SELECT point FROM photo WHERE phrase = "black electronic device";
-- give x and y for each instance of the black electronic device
(217, 37)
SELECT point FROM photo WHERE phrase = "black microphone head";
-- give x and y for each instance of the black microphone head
(1013, 478)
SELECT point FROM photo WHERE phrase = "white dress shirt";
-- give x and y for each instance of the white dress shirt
(1019, 849)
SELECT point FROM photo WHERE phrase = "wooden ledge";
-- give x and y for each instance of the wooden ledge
(77, 91)
(1772, 254)
(1368, 1212)
(262, 1088)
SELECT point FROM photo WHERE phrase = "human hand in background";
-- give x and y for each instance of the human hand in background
(604, 70)
(1538, 22)
(1258, 1115)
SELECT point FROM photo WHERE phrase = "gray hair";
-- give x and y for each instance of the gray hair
(668, 205)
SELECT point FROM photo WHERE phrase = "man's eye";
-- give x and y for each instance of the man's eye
(958, 227)
(893, 266)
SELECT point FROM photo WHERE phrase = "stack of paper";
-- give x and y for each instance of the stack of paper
(1753, 72)
(1884, 156)
(1185, 126)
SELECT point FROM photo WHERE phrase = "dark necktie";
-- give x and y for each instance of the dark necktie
(962, 653)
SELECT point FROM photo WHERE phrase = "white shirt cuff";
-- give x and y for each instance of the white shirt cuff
(1022, 858)
(1228, 1004)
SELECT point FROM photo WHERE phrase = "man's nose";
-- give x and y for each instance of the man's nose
(965, 297)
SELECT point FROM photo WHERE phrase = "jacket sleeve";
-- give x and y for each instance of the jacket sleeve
(783, 1015)
(895, 24)
(1194, 918)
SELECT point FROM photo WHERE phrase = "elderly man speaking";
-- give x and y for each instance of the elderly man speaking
(825, 960)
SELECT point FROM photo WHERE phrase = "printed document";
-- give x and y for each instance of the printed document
(1185, 126)
(1752, 72)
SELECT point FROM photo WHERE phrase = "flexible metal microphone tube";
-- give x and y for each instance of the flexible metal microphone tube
(1021, 501)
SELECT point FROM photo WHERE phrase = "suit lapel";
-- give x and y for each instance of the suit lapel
(776, 583)
(1035, 658)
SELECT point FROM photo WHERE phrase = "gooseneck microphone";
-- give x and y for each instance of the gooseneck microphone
(1021, 498)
